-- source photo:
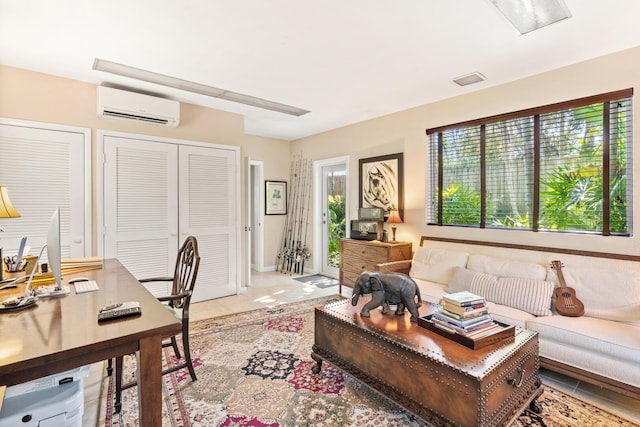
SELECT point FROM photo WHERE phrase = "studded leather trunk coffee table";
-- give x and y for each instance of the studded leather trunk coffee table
(440, 381)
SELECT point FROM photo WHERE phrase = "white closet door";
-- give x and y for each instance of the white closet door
(141, 207)
(208, 212)
(44, 169)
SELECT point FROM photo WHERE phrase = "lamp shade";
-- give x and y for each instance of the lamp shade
(6, 208)
(394, 217)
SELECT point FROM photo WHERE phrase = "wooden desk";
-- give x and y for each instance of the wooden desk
(63, 333)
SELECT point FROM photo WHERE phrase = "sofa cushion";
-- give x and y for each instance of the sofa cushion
(606, 294)
(505, 268)
(509, 315)
(532, 296)
(462, 278)
(612, 339)
(436, 265)
(430, 291)
(590, 361)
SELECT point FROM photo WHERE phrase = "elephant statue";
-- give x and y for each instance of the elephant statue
(387, 289)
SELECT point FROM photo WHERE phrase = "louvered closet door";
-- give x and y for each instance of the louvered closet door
(44, 169)
(208, 212)
(141, 207)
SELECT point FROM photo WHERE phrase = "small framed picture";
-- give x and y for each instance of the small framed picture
(276, 197)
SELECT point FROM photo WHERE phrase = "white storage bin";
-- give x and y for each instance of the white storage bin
(59, 406)
(46, 382)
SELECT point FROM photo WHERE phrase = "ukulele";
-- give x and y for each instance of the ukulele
(567, 303)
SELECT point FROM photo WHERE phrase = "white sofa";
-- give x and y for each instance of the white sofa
(602, 347)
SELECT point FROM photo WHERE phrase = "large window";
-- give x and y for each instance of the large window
(562, 167)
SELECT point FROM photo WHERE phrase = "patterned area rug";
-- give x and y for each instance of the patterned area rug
(254, 370)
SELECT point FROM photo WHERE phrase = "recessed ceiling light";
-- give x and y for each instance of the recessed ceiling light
(186, 85)
(530, 15)
(469, 79)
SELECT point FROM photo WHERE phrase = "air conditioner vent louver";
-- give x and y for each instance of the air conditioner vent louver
(127, 105)
(120, 115)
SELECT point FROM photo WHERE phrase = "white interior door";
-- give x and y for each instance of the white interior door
(157, 191)
(248, 231)
(257, 215)
(208, 194)
(45, 167)
(141, 206)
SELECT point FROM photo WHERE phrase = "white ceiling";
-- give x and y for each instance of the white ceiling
(345, 60)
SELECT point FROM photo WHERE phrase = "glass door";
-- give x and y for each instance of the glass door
(334, 186)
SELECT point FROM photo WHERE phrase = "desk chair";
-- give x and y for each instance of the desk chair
(184, 278)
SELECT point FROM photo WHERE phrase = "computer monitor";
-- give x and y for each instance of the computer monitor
(27, 288)
(54, 255)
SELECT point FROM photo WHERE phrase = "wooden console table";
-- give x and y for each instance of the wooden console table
(357, 256)
(63, 333)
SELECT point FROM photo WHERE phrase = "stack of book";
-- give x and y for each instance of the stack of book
(465, 313)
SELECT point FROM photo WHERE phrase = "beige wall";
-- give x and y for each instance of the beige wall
(275, 155)
(32, 96)
(405, 132)
(41, 97)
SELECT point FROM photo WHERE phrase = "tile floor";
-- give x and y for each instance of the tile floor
(271, 288)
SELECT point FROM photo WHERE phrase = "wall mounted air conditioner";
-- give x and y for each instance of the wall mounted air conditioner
(126, 105)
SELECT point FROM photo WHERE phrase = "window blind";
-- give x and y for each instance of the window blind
(561, 167)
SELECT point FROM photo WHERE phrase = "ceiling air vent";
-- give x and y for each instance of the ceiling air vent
(469, 79)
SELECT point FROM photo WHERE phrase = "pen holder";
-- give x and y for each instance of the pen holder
(13, 274)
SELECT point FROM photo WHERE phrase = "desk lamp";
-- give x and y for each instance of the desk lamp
(394, 218)
(6, 211)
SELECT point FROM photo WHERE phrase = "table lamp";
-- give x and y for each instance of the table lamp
(394, 218)
(6, 211)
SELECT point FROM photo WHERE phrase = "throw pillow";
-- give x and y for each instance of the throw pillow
(532, 296)
(463, 277)
(606, 294)
(436, 265)
(506, 268)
